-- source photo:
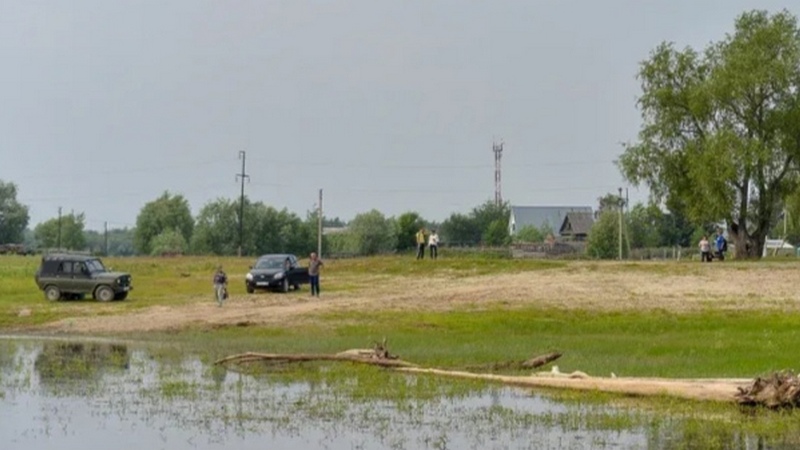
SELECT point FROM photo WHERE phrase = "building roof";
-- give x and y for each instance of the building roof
(578, 223)
(538, 216)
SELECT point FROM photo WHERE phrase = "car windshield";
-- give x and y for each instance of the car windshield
(270, 263)
(94, 265)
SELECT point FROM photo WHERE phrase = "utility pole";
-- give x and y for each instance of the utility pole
(105, 238)
(59, 228)
(319, 225)
(621, 205)
(498, 155)
(241, 177)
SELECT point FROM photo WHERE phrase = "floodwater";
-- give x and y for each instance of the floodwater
(84, 395)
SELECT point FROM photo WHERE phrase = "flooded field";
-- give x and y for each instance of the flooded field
(66, 395)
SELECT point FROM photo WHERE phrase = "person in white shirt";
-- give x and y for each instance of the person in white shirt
(433, 244)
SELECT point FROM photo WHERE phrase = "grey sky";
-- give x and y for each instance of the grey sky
(384, 104)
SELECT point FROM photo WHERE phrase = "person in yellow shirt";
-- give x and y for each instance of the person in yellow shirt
(421, 243)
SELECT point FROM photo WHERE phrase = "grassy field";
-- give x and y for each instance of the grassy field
(635, 319)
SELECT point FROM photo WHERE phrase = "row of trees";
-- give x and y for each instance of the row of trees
(166, 226)
(719, 143)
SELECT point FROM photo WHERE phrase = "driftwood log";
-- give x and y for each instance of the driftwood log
(378, 355)
(532, 363)
(779, 390)
(348, 356)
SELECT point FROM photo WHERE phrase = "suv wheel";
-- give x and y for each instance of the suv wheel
(52, 293)
(285, 285)
(104, 294)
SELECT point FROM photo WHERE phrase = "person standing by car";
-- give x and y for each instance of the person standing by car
(220, 285)
(314, 265)
(421, 243)
(433, 244)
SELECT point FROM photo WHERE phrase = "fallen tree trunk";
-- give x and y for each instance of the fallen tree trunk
(779, 390)
(722, 390)
(348, 357)
(532, 363)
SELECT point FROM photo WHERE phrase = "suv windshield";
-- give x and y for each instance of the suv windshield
(270, 263)
(94, 265)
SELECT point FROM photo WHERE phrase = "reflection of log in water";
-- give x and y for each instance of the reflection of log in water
(60, 361)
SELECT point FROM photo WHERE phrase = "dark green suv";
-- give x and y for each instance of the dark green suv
(72, 276)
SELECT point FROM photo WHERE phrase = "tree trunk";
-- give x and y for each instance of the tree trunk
(747, 246)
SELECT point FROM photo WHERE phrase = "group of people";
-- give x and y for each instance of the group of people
(220, 279)
(720, 245)
(433, 243)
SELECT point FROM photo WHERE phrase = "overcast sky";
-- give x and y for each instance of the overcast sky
(384, 104)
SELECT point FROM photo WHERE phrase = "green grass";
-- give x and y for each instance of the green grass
(707, 344)
(630, 343)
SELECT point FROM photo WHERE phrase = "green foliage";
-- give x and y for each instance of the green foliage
(496, 233)
(265, 230)
(603, 242)
(120, 242)
(374, 232)
(168, 212)
(530, 233)
(490, 212)
(609, 202)
(485, 223)
(720, 127)
(13, 215)
(407, 226)
(168, 242)
(343, 244)
(645, 226)
(460, 229)
(72, 236)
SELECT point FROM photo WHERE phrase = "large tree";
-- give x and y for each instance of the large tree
(13, 215)
(373, 232)
(266, 230)
(168, 212)
(408, 224)
(64, 233)
(720, 138)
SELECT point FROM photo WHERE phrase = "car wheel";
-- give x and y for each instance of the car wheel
(52, 293)
(250, 289)
(285, 285)
(104, 294)
(296, 287)
(121, 296)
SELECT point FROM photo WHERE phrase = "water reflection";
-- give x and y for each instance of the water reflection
(66, 366)
(69, 395)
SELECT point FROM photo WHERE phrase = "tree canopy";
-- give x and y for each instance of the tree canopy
(13, 215)
(720, 139)
(71, 232)
(167, 212)
(266, 230)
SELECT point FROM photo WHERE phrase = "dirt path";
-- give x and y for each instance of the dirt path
(587, 286)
